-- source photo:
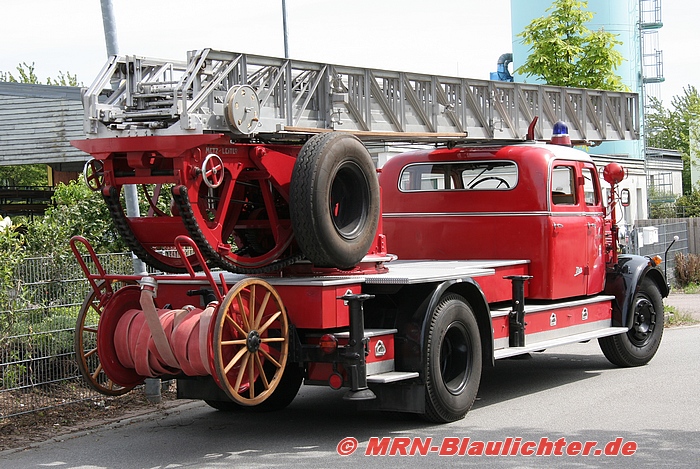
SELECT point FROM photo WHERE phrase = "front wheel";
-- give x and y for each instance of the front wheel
(639, 344)
(452, 363)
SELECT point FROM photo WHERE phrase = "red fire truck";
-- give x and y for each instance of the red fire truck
(282, 258)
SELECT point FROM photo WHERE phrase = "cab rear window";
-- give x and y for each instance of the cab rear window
(473, 175)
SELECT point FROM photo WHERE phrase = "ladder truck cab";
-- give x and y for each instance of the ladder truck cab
(280, 256)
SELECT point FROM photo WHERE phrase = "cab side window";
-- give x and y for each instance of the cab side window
(590, 187)
(563, 185)
(489, 175)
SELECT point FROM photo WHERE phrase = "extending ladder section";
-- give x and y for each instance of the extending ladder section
(244, 95)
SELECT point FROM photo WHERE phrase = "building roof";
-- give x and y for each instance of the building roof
(37, 123)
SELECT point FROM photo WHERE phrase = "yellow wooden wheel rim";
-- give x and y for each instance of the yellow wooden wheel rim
(85, 343)
(250, 342)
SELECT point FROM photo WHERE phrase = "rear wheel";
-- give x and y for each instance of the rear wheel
(284, 394)
(639, 344)
(334, 200)
(452, 364)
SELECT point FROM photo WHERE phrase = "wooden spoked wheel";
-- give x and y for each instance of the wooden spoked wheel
(250, 342)
(85, 342)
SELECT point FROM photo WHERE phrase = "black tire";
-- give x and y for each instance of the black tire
(285, 393)
(638, 345)
(225, 406)
(453, 360)
(334, 200)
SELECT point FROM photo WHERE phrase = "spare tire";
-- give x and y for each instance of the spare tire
(334, 200)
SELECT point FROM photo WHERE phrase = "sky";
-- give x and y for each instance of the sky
(443, 37)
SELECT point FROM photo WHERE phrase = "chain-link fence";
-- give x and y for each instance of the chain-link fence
(667, 230)
(37, 360)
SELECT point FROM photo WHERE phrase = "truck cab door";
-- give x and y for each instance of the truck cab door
(595, 239)
(568, 248)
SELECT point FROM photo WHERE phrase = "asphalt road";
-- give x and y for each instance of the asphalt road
(688, 303)
(570, 393)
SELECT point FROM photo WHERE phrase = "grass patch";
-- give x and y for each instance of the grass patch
(691, 288)
(673, 317)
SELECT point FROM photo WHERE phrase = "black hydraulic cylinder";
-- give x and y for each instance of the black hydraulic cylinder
(355, 350)
(516, 319)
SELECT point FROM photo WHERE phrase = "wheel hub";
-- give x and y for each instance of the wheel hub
(253, 341)
(644, 320)
(348, 201)
(455, 360)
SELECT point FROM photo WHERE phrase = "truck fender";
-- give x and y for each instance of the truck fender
(471, 291)
(623, 283)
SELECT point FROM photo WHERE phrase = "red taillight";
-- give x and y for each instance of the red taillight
(335, 381)
(328, 343)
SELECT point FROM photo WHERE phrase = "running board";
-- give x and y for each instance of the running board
(392, 377)
(545, 344)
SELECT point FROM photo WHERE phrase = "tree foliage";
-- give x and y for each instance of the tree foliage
(671, 128)
(26, 74)
(76, 211)
(24, 175)
(11, 254)
(689, 204)
(564, 52)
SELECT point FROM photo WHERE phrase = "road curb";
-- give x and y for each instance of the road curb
(161, 410)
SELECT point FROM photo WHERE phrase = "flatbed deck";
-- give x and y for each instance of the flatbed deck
(399, 273)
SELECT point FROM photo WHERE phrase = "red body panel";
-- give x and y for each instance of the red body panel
(321, 372)
(561, 237)
(564, 317)
(318, 307)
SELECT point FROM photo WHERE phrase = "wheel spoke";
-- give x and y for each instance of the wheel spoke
(238, 328)
(241, 372)
(90, 353)
(90, 329)
(267, 340)
(97, 372)
(261, 371)
(234, 342)
(241, 310)
(251, 308)
(235, 359)
(251, 375)
(262, 308)
(269, 358)
(264, 327)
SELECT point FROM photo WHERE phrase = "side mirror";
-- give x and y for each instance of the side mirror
(625, 197)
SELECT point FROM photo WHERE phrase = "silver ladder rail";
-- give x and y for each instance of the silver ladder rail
(136, 96)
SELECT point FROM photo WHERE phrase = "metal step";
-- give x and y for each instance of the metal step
(545, 344)
(160, 97)
(392, 377)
